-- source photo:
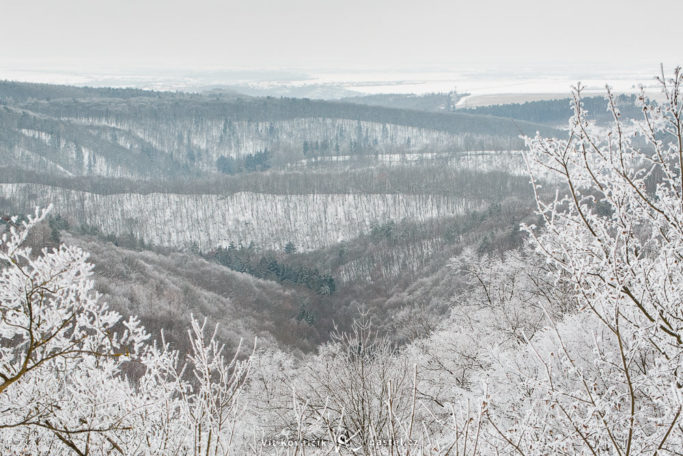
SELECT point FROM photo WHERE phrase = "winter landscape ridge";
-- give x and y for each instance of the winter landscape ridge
(223, 271)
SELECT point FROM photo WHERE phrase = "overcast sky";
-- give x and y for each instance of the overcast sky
(337, 34)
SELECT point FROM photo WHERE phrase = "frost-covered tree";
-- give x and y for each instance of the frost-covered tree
(608, 378)
(76, 378)
(61, 349)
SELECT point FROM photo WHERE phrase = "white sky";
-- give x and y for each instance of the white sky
(337, 34)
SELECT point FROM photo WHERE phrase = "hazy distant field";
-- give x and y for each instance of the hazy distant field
(526, 84)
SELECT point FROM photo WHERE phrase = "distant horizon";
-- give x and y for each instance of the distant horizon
(585, 67)
(480, 81)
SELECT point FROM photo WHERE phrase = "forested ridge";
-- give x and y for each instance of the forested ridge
(556, 112)
(126, 133)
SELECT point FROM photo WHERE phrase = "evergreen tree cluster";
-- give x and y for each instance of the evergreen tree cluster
(259, 161)
(245, 259)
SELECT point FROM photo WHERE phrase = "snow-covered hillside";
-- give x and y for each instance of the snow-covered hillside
(310, 221)
(91, 132)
